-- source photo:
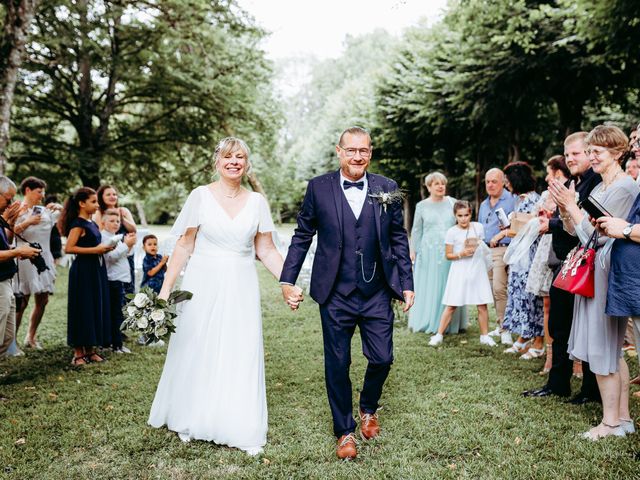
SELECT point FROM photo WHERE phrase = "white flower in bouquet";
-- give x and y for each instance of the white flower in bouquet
(142, 322)
(140, 300)
(161, 332)
(131, 310)
(157, 316)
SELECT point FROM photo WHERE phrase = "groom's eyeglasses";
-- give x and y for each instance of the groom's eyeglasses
(351, 152)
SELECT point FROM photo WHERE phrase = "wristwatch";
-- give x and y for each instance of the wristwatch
(627, 231)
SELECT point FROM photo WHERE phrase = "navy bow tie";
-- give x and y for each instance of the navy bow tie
(347, 185)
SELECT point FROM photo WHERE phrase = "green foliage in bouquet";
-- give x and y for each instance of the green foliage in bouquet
(152, 317)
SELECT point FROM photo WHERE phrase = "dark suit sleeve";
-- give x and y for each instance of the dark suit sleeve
(400, 244)
(302, 238)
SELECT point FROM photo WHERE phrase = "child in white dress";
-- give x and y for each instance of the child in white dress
(468, 281)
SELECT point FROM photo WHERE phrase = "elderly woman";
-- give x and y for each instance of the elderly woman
(433, 217)
(595, 336)
(34, 224)
(624, 276)
(108, 198)
(524, 313)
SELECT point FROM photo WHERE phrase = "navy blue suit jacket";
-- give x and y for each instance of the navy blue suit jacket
(321, 213)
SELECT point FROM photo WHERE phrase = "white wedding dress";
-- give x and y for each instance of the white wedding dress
(212, 386)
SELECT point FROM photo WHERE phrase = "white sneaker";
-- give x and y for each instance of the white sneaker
(184, 437)
(487, 340)
(122, 349)
(159, 343)
(495, 333)
(505, 338)
(435, 340)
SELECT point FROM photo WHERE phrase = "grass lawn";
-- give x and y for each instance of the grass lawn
(451, 412)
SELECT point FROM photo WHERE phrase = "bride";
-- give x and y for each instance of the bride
(212, 386)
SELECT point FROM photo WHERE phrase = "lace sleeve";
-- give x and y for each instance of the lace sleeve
(265, 221)
(189, 215)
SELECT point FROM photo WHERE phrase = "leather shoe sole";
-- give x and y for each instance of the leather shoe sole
(542, 392)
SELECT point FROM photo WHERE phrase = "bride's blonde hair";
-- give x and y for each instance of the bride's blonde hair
(228, 145)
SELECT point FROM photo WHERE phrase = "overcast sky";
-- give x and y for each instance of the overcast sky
(318, 27)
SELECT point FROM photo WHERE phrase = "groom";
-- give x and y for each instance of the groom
(361, 263)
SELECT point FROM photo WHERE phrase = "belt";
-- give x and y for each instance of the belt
(500, 245)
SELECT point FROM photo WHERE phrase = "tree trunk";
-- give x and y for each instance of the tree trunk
(256, 185)
(14, 37)
(141, 215)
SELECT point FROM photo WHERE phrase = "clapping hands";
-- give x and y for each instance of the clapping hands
(292, 296)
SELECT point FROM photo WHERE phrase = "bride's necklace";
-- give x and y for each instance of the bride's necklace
(233, 195)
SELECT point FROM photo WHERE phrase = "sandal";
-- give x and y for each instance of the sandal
(82, 358)
(95, 357)
(532, 353)
(517, 347)
(549, 360)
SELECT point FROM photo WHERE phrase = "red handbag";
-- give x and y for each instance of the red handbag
(577, 275)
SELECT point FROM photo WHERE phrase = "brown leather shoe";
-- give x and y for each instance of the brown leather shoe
(635, 381)
(346, 449)
(369, 427)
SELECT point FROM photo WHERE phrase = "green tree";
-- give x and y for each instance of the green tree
(139, 92)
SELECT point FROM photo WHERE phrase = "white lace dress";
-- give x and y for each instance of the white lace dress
(27, 280)
(213, 385)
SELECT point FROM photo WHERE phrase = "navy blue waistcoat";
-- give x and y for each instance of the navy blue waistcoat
(360, 252)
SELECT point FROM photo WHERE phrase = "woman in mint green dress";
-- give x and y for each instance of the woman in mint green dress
(433, 217)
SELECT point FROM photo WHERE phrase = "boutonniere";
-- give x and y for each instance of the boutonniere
(387, 198)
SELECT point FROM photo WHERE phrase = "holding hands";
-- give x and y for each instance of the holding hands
(292, 295)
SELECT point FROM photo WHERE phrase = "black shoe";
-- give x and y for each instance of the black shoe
(582, 399)
(541, 392)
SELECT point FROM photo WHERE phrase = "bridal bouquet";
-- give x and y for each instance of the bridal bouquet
(152, 317)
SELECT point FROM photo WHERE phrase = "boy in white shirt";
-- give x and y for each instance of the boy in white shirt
(118, 273)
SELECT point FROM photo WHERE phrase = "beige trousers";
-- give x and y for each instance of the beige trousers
(7, 316)
(498, 277)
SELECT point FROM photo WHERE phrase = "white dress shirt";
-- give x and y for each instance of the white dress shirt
(355, 197)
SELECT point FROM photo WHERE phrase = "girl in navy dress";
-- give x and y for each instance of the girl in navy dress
(88, 322)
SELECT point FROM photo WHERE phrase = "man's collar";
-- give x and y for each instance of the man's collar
(361, 179)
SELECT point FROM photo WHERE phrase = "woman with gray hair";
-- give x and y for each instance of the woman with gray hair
(432, 218)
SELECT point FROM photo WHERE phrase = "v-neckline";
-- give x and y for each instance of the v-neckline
(222, 208)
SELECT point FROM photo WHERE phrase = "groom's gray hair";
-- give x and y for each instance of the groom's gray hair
(355, 130)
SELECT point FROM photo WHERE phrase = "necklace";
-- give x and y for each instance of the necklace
(606, 185)
(233, 195)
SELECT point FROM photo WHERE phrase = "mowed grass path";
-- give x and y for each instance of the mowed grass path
(451, 412)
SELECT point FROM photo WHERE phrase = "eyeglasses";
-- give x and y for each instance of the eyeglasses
(351, 152)
(596, 152)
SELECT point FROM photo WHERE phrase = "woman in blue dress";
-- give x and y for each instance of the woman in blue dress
(524, 314)
(432, 218)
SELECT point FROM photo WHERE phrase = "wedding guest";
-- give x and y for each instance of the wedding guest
(498, 198)
(524, 314)
(55, 240)
(468, 280)
(631, 168)
(118, 273)
(34, 224)
(432, 218)
(540, 273)
(9, 211)
(561, 301)
(153, 265)
(88, 321)
(624, 275)
(108, 198)
(595, 336)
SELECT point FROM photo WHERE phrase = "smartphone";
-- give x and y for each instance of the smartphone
(594, 208)
(503, 219)
(37, 210)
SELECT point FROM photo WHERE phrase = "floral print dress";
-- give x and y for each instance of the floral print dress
(524, 314)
